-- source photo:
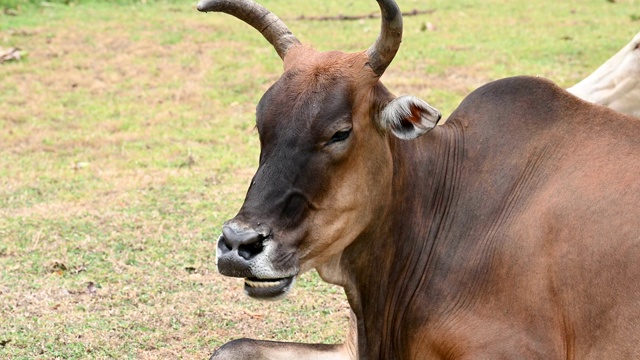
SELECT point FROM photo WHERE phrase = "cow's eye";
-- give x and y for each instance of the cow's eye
(339, 136)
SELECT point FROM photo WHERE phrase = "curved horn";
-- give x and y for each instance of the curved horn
(263, 20)
(386, 46)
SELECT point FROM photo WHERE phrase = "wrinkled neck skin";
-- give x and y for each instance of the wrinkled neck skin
(391, 260)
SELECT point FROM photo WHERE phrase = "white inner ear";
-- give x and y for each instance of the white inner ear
(409, 117)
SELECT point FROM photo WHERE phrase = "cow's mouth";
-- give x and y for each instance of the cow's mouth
(267, 288)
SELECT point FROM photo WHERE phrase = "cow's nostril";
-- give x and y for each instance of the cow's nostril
(247, 241)
(223, 244)
(248, 251)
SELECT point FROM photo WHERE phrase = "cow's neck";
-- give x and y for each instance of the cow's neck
(392, 261)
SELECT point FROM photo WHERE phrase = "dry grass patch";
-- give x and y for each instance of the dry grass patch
(121, 156)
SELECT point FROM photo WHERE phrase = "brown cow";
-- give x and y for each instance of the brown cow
(512, 231)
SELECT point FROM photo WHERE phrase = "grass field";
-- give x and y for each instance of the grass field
(127, 138)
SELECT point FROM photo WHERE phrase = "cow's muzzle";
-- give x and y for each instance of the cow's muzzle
(243, 251)
(237, 248)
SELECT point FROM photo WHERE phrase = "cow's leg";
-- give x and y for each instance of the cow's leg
(249, 349)
(245, 349)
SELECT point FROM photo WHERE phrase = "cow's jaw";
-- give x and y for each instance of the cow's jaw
(268, 289)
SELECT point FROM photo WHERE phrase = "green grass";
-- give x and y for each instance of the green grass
(127, 138)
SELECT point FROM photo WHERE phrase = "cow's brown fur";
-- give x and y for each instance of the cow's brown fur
(511, 231)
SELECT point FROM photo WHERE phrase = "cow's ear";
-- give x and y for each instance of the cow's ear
(409, 117)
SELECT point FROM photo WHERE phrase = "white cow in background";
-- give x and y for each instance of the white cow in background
(616, 83)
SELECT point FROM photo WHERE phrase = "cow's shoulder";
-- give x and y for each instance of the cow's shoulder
(522, 99)
(517, 91)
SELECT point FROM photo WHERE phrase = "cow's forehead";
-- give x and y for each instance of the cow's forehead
(305, 101)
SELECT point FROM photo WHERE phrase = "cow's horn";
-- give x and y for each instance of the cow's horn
(386, 46)
(263, 20)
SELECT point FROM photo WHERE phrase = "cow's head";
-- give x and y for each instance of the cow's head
(325, 165)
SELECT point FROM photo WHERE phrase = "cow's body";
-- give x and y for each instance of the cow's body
(513, 232)
(510, 232)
